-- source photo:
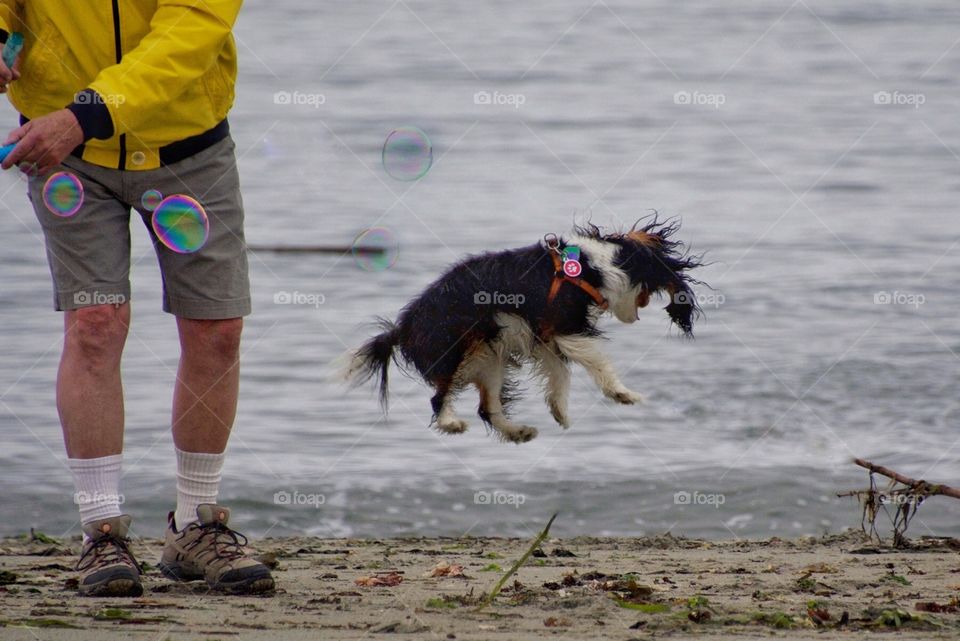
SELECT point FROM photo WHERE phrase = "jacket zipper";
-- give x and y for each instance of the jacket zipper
(119, 54)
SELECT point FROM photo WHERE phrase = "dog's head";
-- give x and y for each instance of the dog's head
(647, 262)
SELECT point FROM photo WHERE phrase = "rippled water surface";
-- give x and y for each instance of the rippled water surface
(827, 210)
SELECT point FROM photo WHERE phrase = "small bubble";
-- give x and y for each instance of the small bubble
(151, 199)
(407, 154)
(375, 249)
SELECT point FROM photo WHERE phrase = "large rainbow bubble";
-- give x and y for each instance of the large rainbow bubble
(181, 224)
(407, 153)
(63, 194)
(376, 249)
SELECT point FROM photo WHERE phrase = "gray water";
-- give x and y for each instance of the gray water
(810, 196)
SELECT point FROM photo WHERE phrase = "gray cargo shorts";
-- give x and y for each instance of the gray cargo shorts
(89, 252)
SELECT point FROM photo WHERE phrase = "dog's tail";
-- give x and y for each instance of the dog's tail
(373, 358)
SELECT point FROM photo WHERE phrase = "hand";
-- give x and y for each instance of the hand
(44, 142)
(8, 75)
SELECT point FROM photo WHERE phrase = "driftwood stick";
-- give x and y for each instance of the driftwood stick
(929, 488)
(317, 249)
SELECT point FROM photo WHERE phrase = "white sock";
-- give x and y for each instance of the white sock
(97, 483)
(198, 481)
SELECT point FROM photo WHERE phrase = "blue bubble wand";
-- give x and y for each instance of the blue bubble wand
(11, 50)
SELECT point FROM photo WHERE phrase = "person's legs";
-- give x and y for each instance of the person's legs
(89, 391)
(90, 404)
(89, 257)
(204, 406)
(200, 545)
(209, 293)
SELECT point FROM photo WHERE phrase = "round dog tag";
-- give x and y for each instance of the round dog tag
(572, 268)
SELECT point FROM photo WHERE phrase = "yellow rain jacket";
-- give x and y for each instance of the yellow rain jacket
(151, 81)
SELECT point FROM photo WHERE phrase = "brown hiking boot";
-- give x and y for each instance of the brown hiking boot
(212, 551)
(107, 566)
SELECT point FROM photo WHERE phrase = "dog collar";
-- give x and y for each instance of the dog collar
(560, 277)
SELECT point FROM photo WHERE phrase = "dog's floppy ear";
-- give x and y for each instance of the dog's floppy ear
(665, 267)
(643, 237)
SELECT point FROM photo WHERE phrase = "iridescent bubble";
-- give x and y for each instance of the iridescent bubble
(151, 199)
(63, 194)
(376, 249)
(407, 153)
(181, 224)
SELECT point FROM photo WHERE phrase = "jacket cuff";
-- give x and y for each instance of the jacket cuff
(92, 114)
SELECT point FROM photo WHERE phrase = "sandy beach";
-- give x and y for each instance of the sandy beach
(581, 588)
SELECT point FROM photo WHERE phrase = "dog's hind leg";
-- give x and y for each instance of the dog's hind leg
(551, 367)
(489, 379)
(583, 350)
(443, 412)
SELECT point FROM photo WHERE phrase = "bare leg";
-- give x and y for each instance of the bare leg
(208, 382)
(89, 390)
(583, 350)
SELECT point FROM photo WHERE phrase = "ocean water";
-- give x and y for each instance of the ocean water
(811, 150)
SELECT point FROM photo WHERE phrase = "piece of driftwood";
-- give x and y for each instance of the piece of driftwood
(903, 494)
(931, 489)
(317, 249)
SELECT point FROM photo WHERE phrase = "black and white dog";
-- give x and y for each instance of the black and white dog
(486, 316)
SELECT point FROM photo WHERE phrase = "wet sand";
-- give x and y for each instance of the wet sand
(581, 588)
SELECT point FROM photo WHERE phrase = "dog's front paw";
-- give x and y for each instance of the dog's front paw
(452, 426)
(628, 397)
(519, 434)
